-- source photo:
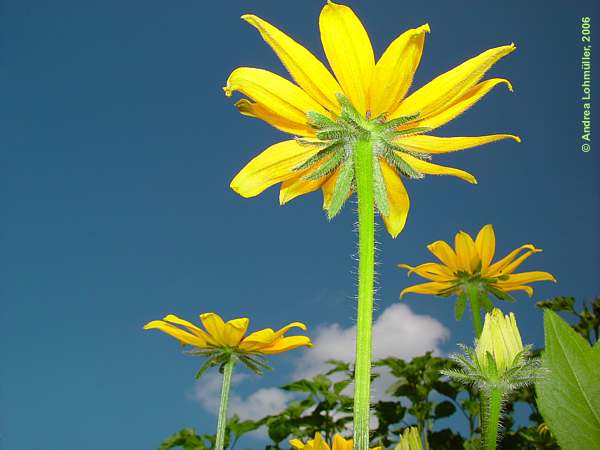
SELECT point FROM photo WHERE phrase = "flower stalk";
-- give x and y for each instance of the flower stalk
(222, 421)
(493, 403)
(363, 154)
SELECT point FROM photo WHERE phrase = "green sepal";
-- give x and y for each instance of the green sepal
(485, 301)
(395, 123)
(404, 168)
(379, 191)
(392, 146)
(411, 131)
(326, 168)
(318, 156)
(256, 364)
(330, 134)
(500, 295)
(210, 362)
(348, 109)
(318, 120)
(460, 305)
(342, 186)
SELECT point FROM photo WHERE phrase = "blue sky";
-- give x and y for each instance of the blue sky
(118, 148)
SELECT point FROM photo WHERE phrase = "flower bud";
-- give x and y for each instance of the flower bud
(501, 339)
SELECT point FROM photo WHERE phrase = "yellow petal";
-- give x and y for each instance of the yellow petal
(510, 268)
(339, 443)
(424, 143)
(434, 169)
(319, 443)
(432, 288)
(234, 331)
(527, 277)
(251, 109)
(472, 96)
(485, 242)
(274, 93)
(466, 253)
(495, 268)
(290, 189)
(214, 325)
(444, 90)
(395, 69)
(297, 444)
(349, 52)
(442, 251)
(258, 338)
(279, 333)
(272, 166)
(433, 271)
(179, 334)
(398, 201)
(328, 187)
(310, 73)
(285, 344)
(190, 326)
(527, 289)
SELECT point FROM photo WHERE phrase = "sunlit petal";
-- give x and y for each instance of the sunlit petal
(398, 201)
(432, 288)
(485, 242)
(434, 169)
(442, 251)
(433, 145)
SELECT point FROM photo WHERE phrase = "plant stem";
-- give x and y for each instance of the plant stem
(494, 408)
(475, 309)
(363, 163)
(222, 422)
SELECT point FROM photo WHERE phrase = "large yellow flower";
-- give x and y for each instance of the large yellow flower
(363, 99)
(470, 264)
(339, 443)
(230, 335)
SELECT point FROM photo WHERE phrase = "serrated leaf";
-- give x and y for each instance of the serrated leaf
(569, 391)
(460, 305)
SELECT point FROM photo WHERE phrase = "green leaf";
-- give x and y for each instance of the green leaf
(558, 304)
(569, 393)
(444, 409)
(459, 306)
(500, 295)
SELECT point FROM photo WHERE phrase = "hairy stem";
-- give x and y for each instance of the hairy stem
(222, 422)
(363, 163)
(475, 309)
(494, 410)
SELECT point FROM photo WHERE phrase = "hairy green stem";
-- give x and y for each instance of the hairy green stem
(222, 422)
(475, 309)
(494, 410)
(363, 163)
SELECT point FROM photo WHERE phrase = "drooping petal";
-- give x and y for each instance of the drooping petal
(279, 333)
(433, 271)
(442, 251)
(432, 288)
(394, 71)
(424, 143)
(214, 325)
(285, 344)
(398, 201)
(495, 268)
(272, 166)
(472, 96)
(466, 253)
(189, 325)
(444, 90)
(234, 331)
(434, 169)
(485, 242)
(183, 336)
(349, 51)
(526, 289)
(292, 188)
(274, 93)
(251, 109)
(310, 73)
(510, 268)
(526, 277)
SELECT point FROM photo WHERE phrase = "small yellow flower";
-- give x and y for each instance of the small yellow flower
(218, 334)
(410, 440)
(339, 443)
(501, 339)
(363, 99)
(470, 263)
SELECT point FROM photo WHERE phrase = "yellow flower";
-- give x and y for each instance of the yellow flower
(218, 334)
(339, 443)
(410, 440)
(470, 263)
(501, 339)
(363, 99)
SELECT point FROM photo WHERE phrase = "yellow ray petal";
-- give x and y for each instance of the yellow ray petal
(510, 268)
(444, 90)
(398, 201)
(262, 337)
(214, 325)
(434, 169)
(183, 336)
(466, 253)
(432, 288)
(279, 333)
(433, 271)
(339, 443)
(424, 143)
(285, 344)
(394, 71)
(527, 289)
(349, 52)
(485, 242)
(234, 331)
(472, 96)
(274, 93)
(189, 325)
(526, 277)
(272, 166)
(297, 444)
(319, 443)
(294, 187)
(310, 73)
(251, 109)
(442, 251)
(494, 269)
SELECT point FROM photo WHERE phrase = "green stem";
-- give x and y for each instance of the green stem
(475, 309)
(494, 408)
(363, 163)
(222, 422)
